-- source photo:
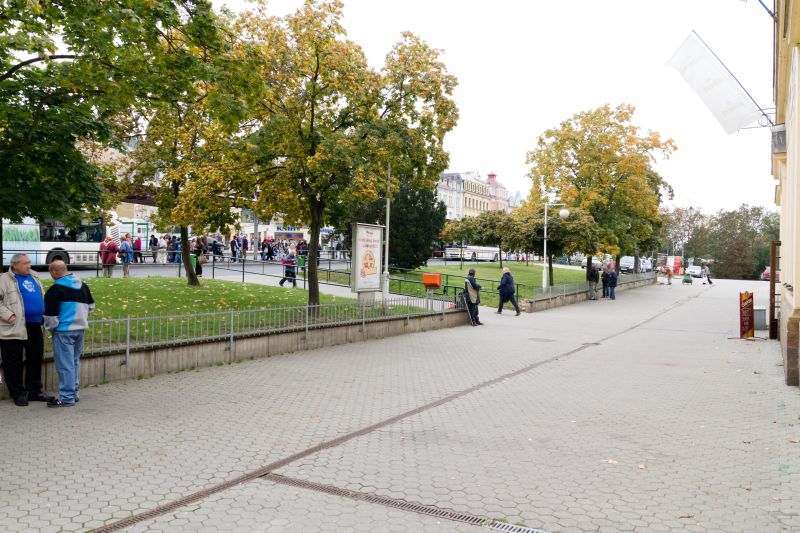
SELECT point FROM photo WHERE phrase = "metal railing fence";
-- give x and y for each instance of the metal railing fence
(133, 333)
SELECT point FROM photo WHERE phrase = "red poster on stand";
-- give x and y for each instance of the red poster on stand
(746, 322)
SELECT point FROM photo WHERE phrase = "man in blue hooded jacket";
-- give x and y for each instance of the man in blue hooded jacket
(67, 305)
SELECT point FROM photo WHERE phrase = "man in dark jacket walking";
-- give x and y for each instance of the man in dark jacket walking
(507, 290)
(612, 284)
(472, 294)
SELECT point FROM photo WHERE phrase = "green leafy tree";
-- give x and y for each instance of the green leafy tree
(70, 73)
(417, 220)
(330, 125)
(740, 241)
(599, 161)
(186, 147)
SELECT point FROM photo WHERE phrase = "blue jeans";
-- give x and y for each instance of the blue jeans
(67, 348)
(612, 292)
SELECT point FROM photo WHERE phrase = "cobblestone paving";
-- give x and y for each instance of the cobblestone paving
(669, 425)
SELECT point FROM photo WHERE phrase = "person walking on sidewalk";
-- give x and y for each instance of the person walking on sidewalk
(594, 277)
(126, 254)
(21, 315)
(108, 256)
(707, 273)
(289, 262)
(507, 290)
(67, 305)
(612, 284)
(472, 294)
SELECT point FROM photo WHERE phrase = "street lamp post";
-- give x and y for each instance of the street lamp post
(564, 213)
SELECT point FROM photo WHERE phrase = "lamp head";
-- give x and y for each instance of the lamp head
(563, 213)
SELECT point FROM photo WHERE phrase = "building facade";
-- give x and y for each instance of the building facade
(476, 196)
(450, 190)
(467, 194)
(498, 193)
(786, 170)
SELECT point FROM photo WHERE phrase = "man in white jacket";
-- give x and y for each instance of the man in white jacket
(21, 317)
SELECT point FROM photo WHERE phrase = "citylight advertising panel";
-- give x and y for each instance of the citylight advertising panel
(367, 257)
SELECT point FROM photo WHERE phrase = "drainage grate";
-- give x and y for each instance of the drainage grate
(395, 503)
(403, 505)
(261, 472)
(513, 528)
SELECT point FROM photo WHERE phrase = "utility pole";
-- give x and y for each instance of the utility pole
(386, 251)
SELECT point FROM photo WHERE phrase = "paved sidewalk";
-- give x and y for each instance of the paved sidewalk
(634, 415)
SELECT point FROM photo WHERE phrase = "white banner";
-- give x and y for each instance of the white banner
(715, 86)
(367, 257)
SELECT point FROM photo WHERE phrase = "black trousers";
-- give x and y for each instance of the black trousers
(473, 312)
(289, 275)
(510, 298)
(13, 366)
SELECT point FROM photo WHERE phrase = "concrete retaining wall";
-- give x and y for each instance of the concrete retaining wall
(531, 306)
(97, 369)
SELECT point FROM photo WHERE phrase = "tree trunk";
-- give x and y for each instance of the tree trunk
(315, 229)
(616, 263)
(500, 247)
(1, 246)
(636, 263)
(191, 275)
(589, 264)
(550, 268)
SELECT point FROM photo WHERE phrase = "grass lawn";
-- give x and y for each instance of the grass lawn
(118, 297)
(530, 275)
(259, 308)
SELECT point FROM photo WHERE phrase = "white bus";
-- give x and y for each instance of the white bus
(76, 244)
(472, 252)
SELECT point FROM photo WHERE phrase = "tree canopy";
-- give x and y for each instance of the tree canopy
(599, 161)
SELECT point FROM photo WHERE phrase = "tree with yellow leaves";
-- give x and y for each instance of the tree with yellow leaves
(599, 161)
(329, 126)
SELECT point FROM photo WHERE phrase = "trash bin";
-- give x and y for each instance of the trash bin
(193, 261)
(301, 261)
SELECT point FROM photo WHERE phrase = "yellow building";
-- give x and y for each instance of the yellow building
(785, 169)
(476, 197)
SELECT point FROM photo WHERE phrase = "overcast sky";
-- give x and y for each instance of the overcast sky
(524, 66)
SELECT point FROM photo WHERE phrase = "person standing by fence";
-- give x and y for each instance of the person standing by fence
(67, 305)
(108, 256)
(472, 295)
(593, 279)
(604, 279)
(612, 284)
(21, 314)
(126, 255)
(507, 289)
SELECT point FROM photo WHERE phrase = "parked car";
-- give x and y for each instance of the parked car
(627, 264)
(696, 271)
(597, 263)
(765, 275)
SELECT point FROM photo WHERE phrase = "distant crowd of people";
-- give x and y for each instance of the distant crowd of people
(168, 249)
